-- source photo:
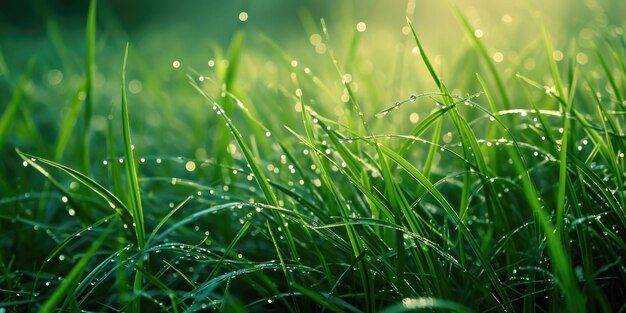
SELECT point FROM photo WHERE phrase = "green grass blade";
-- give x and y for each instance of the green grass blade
(317, 298)
(112, 200)
(230, 247)
(165, 219)
(8, 116)
(558, 256)
(427, 62)
(133, 184)
(422, 180)
(554, 69)
(609, 75)
(89, 81)
(131, 170)
(73, 276)
(73, 236)
(563, 161)
(4, 69)
(68, 124)
(254, 166)
(259, 175)
(485, 56)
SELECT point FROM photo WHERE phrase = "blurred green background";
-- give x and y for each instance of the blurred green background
(195, 33)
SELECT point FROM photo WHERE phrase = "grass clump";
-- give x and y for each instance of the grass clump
(278, 187)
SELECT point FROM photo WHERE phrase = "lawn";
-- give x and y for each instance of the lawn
(314, 156)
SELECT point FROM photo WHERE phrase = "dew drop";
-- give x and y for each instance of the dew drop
(360, 27)
(243, 16)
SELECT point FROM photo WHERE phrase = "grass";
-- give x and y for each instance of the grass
(267, 183)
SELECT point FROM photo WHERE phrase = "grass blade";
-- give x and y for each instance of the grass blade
(8, 116)
(89, 80)
(112, 200)
(74, 275)
(131, 170)
(485, 56)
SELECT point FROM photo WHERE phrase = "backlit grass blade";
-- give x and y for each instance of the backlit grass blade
(130, 167)
(558, 257)
(446, 99)
(228, 86)
(608, 73)
(563, 178)
(427, 62)
(422, 180)
(485, 56)
(329, 185)
(554, 69)
(470, 141)
(111, 199)
(259, 175)
(133, 185)
(234, 57)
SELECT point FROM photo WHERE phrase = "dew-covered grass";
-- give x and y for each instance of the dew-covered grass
(346, 168)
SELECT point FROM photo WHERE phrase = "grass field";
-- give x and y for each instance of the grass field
(334, 158)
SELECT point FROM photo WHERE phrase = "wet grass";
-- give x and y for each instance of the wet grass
(262, 183)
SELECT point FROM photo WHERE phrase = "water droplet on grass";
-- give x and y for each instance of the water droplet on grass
(243, 16)
(361, 27)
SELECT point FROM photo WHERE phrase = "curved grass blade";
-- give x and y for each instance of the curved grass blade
(484, 55)
(112, 200)
(254, 166)
(166, 218)
(72, 277)
(73, 236)
(422, 180)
